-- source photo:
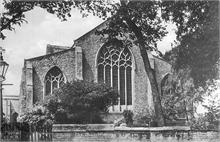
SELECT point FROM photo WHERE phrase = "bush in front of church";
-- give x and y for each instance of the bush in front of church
(80, 102)
(37, 119)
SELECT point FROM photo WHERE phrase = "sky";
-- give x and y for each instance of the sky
(31, 38)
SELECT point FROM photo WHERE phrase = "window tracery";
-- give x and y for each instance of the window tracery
(115, 69)
(53, 79)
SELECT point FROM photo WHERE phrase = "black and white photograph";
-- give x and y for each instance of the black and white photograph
(110, 70)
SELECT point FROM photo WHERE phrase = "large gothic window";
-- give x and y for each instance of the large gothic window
(53, 79)
(115, 69)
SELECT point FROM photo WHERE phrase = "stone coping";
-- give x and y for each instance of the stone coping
(154, 129)
(110, 128)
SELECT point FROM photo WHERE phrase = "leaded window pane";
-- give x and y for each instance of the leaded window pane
(129, 86)
(54, 85)
(101, 74)
(48, 87)
(122, 86)
(108, 75)
(115, 79)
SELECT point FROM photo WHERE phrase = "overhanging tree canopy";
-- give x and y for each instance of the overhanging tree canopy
(199, 50)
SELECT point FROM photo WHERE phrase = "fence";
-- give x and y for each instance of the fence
(25, 132)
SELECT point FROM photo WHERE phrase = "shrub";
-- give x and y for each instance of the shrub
(143, 121)
(128, 116)
(146, 120)
(80, 102)
(38, 118)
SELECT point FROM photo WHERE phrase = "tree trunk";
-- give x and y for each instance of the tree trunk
(154, 87)
(152, 77)
(150, 72)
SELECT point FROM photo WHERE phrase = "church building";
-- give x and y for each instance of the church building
(91, 59)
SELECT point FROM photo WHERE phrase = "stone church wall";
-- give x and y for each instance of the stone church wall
(35, 70)
(162, 68)
(90, 44)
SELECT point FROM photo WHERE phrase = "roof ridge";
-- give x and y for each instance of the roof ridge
(47, 55)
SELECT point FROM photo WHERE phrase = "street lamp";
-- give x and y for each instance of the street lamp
(3, 70)
(3, 67)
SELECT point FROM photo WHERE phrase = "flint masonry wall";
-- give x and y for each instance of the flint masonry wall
(34, 72)
(142, 99)
(91, 43)
(162, 69)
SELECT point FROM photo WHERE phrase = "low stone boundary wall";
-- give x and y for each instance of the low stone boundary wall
(109, 133)
(82, 127)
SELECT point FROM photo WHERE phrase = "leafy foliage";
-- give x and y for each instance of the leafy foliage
(148, 119)
(181, 99)
(14, 11)
(178, 96)
(211, 118)
(38, 117)
(205, 122)
(189, 16)
(80, 102)
(199, 50)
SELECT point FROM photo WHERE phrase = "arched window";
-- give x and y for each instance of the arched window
(115, 69)
(53, 79)
(164, 83)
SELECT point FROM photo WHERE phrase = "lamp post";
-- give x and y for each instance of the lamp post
(3, 70)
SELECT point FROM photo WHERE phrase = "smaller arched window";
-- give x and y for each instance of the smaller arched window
(53, 79)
